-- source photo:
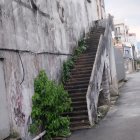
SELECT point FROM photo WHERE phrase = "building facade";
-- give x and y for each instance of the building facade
(126, 42)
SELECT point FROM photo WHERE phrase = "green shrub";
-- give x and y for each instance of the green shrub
(50, 101)
(68, 65)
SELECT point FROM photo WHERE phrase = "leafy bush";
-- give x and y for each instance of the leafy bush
(68, 65)
(50, 101)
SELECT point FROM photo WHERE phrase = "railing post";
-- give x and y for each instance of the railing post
(105, 86)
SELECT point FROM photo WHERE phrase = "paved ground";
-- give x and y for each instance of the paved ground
(123, 120)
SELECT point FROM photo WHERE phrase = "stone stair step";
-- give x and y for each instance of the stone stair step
(92, 42)
(82, 107)
(77, 90)
(78, 94)
(93, 49)
(76, 86)
(76, 113)
(80, 75)
(98, 29)
(80, 98)
(87, 57)
(83, 68)
(73, 72)
(95, 36)
(78, 79)
(80, 127)
(92, 46)
(84, 61)
(78, 103)
(79, 123)
(77, 82)
(88, 54)
(79, 118)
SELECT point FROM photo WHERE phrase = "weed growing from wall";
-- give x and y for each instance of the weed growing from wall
(68, 65)
(50, 101)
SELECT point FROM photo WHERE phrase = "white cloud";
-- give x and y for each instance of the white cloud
(136, 29)
(126, 9)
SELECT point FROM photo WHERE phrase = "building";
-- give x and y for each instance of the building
(126, 42)
(138, 48)
(133, 41)
(121, 32)
(129, 57)
(132, 38)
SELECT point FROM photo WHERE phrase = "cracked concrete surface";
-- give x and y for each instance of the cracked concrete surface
(123, 120)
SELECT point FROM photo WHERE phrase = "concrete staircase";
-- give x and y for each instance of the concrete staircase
(78, 83)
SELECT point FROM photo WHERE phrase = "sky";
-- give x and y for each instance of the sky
(127, 10)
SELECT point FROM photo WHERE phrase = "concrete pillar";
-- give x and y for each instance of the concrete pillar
(105, 94)
(114, 80)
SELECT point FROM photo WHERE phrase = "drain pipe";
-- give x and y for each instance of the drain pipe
(40, 135)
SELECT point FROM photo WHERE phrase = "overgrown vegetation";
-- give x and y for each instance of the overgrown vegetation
(14, 135)
(50, 101)
(68, 65)
(138, 61)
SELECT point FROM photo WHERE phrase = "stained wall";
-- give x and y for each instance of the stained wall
(31, 40)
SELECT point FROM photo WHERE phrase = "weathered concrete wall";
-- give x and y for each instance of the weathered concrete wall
(19, 95)
(59, 22)
(119, 65)
(113, 71)
(4, 119)
(102, 74)
(129, 65)
(54, 28)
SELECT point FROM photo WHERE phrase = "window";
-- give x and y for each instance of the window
(126, 51)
